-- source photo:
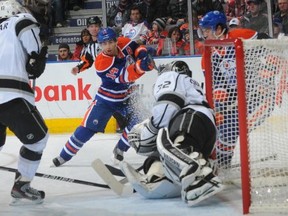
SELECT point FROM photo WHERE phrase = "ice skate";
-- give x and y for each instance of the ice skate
(58, 161)
(23, 193)
(205, 185)
(117, 156)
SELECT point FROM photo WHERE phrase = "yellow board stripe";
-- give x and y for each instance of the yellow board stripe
(68, 125)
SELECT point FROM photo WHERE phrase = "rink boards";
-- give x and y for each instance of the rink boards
(63, 98)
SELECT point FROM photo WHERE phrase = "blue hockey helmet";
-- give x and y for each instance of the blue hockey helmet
(212, 19)
(106, 34)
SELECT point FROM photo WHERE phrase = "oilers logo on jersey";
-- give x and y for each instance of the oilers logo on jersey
(228, 68)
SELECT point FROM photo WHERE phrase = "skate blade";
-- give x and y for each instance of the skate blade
(25, 202)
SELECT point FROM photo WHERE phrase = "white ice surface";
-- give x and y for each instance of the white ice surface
(64, 198)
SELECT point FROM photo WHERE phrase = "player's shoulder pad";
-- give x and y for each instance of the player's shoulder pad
(104, 62)
(25, 21)
(242, 33)
(123, 42)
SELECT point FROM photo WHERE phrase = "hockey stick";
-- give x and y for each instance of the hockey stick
(60, 178)
(118, 172)
(118, 187)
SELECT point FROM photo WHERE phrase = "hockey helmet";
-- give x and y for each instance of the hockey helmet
(212, 19)
(180, 67)
(10, 8)
(106, 34)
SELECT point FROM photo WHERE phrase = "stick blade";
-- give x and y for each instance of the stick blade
(110, 180)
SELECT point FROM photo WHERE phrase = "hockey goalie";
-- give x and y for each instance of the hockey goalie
(178, 139)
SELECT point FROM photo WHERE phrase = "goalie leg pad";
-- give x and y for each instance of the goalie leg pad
(177, 164)
(206, 185)
(160, 189)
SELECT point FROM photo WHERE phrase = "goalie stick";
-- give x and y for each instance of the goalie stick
(118, 172)
(60, 178)
(118, 187)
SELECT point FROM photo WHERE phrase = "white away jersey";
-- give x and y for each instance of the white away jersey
(174, 91)
(19, 36)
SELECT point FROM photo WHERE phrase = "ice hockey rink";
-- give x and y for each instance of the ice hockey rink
(65, 198)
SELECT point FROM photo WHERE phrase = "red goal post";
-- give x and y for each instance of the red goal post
(253, 75)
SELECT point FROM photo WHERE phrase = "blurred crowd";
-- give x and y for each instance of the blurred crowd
(163, 24)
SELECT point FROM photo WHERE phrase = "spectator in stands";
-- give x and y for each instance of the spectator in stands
(151, 9)
(277, 28)
(235, 8)
(201, 7)
(155, 9)
(177, 12)
(57, 13)
(198, 43)
(75, 5)
(64, 53)
(82, 44)
(157, 35)
(41, 10)
(255, 19)
(177, 42)
(136, 29)
(234, 23)
(282, 14)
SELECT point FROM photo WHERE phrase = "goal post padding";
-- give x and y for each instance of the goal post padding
(246, 84)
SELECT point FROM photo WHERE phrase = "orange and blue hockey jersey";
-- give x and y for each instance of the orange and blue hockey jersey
(118, 73)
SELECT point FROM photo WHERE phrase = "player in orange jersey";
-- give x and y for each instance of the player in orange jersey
(213, 26)
(120, 63)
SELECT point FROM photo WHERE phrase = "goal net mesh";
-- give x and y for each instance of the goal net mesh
(266, 84)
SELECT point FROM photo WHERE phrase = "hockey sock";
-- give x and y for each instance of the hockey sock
(75, 142)
(123, 144)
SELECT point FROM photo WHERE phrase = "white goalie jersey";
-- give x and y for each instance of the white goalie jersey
(19, 36)
(173, 92)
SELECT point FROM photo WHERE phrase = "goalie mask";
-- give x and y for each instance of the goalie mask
(180, 67)
(10, 8)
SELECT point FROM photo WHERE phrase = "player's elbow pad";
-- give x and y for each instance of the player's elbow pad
(36, 63)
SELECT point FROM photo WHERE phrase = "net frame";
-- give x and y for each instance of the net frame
(245, 159)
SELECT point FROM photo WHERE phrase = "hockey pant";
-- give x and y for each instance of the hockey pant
(25, 121)
(94, 121)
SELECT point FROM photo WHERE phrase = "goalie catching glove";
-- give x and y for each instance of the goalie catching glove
(36, 63)
(142, 137)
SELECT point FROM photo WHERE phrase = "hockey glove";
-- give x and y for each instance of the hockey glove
(36, 63)
(86, 62)
(151, 51)
(145, 64)
(140, 52)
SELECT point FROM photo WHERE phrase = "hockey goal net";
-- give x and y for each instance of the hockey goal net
(247, 85)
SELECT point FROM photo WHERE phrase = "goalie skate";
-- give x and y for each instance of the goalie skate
(118, 156)
(205, 186)
(22, 193)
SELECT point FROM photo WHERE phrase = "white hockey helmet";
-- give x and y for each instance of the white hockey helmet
(10, 8)
(178, 66)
